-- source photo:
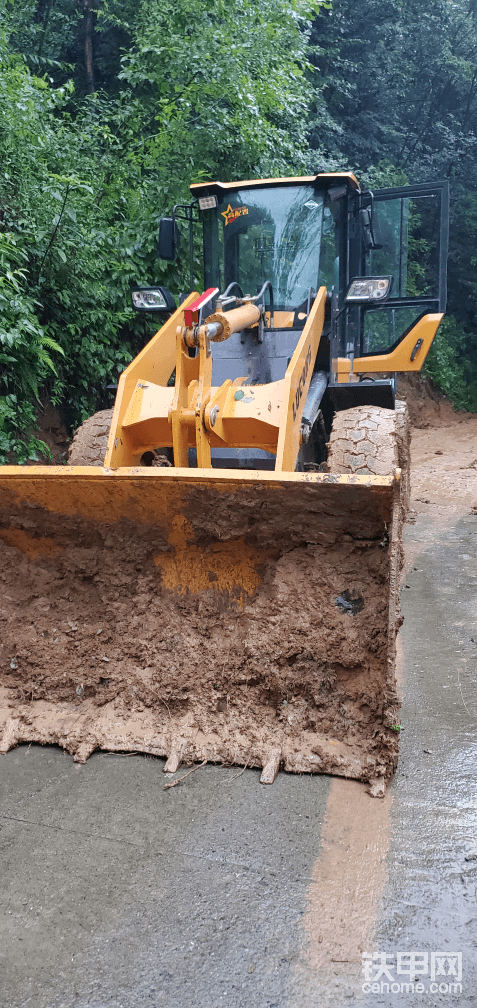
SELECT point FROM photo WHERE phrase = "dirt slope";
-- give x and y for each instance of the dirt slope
(427, 405)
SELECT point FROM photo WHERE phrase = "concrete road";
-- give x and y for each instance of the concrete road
(221, 892)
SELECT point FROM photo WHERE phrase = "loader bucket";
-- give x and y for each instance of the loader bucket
(240, 617)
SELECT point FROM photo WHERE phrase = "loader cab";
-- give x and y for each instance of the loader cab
(300, 234)
(285, 234)
(278, 242)
(291, 235)
(289, 232)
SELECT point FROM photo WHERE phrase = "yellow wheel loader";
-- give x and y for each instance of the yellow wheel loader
(214, 576)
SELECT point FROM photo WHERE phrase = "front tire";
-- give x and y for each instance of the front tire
(371, 440)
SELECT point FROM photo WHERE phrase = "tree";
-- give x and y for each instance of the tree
(88, 23)
(86, 178)
(224, 84)
(398, 83)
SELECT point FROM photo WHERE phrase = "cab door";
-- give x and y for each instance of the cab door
(410, 230)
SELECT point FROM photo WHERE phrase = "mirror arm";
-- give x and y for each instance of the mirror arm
(188, 215)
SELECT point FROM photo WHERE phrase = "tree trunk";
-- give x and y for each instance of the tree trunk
(41, 16)
(88, 21)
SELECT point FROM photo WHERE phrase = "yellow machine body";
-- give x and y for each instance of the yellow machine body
(147, 413)
(238, 616)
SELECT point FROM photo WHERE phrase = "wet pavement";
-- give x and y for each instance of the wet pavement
(222, 892)
(430, 904)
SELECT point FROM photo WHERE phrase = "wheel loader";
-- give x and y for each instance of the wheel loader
(214, 575)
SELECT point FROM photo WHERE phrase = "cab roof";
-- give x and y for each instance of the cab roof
(219, 188)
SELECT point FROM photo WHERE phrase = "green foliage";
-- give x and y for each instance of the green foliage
(195, 89)
(399, 83)
(383, 175)
(54, 288)
(85, 179)
(399, 86)
(25, 355)
(224, 83)
(452, 372)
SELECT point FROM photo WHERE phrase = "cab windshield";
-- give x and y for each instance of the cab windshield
(274, 234)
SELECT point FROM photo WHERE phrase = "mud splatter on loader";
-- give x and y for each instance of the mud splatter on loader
(223, 586)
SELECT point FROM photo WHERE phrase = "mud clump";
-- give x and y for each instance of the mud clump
(222, 640)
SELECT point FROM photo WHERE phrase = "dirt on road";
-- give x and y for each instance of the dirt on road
(443, 456)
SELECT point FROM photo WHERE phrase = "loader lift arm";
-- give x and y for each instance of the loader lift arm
(194, 414)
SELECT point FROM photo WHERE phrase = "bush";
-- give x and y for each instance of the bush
(446, 364)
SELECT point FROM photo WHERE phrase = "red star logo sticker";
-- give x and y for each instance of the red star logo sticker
(229, 214)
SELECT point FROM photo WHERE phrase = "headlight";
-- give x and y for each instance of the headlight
(365, 289)
(207, 202)
(153, 299)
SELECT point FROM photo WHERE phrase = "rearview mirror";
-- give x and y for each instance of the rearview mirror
(168, 239)
(366, 222)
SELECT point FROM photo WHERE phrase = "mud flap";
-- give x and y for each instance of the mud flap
(243, 618)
